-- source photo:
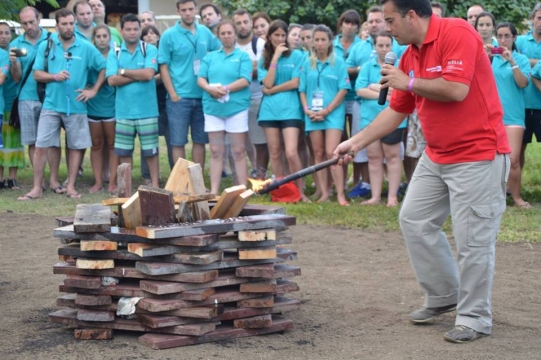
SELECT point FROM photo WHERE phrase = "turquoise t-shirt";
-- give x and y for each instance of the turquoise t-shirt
(103, 104)
(340, 52)
(10, 91)
(330, 79)
(284, 105)
(371, 74)
(183, 51)
(511, 96)
(363, 51)
(137, 100)
(29, 91)
(84, 57)
(219, 68)
(527, 45)
(4, 64)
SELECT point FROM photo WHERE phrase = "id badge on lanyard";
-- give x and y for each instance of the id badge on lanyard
(196, 65)
(317, 101)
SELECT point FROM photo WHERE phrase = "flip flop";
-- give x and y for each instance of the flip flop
(59, 190)
(28, 197)
(74, 195)
(94, 190)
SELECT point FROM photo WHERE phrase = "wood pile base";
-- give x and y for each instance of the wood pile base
(202, 282)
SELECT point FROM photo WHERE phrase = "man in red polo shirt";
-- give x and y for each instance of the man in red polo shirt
(447, 76)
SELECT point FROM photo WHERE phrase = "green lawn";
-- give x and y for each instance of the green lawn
(517, 225)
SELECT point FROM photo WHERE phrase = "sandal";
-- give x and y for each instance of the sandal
(28, 197)
(74, 195)
(59, 190)
(13, 184)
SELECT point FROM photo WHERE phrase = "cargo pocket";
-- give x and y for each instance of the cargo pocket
(483, 224)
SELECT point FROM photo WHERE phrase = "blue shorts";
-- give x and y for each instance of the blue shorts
(184, 114)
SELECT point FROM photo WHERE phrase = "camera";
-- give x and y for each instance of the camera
(496, 51)
(19, 52)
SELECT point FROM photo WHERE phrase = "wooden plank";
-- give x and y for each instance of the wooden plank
(159, 305)
(169, 287)
(95, 315)
(93, 300)
(199, 258)
(257, 235)
(265, 286)
(266, 301)
(258, 209)
(218, 226)
(147, 250)
(223, 332)
(258, 253)
(98, 245)
(161, 321)
(157, 206)
(124, 184)
(239, 204)
(226, 201)
(281, 306)
(115, 201)
(187, 198)
(85, 282)
(93, 334)
(196, 295)
(92, 218)
(64, 220)
(178, 179)
(95, 264)
(284, 286)
(184, 214)
(131, 211)
(265, 271)
(286, 271)
(196, 186)
(255, 322)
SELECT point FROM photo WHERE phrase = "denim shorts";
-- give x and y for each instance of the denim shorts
(183, 115)
(76, 126)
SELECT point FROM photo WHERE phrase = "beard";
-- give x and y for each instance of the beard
(240, 35)
(68, 35)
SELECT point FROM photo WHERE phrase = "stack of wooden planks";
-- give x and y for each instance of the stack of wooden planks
(178, 283)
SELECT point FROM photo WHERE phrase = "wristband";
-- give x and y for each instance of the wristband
(410, 84)
(54, 77)
(514, 67)
(227, 88)
(306, 108)
(274, 66)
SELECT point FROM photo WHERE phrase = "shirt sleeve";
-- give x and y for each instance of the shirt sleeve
(350, 61)
(4, 62)
(459, 53)
(524, 66)
(98, 62)
(164, 52)
(304, 73)
(261, 71)
(204, 67)
(536, 71)
(151, 58)
(297, 61)
(246, 67)
(112, 64)
(363, 80)
(39, 63)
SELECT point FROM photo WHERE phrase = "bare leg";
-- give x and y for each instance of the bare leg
(217, 149)
(198, 155)
(53, 157)
(238, 143)
(96, 154)
(178, 152)
(291, 136)
(109, 128)
(75, 159)
(375, 165)
(39, 161)
(262, 155)
(394, 171)
(154, 169)
(317, 138)
(274, 145)
(515, 135)
(332, 139)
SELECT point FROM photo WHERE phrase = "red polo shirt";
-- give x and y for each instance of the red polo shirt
(455, 132)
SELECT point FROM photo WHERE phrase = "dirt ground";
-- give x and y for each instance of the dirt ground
(357, 289)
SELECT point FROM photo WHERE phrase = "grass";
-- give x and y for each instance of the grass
(517, 225)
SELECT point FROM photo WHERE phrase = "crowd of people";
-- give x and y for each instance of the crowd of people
(255, 90)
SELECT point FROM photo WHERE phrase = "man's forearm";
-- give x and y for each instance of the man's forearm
(440, 89)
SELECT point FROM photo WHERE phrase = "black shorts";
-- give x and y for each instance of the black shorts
(533, 126)
(393, 138)
(281, 124)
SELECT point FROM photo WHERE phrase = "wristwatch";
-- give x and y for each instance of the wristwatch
(122, 71)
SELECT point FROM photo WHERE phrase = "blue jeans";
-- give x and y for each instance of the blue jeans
(183, 115)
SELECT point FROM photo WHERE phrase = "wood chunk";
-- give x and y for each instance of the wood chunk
(83, 263)
(131, 212)
(159, 321)
(67, 300)
(255, 322)
(115, 201)
(178, 179)
(201, 312)
(257, 209)
(226, 201)
(239, 204)
(95, 315)
(163, 341)
(158, 305)
(187, 198)
(64, 220)
(265, 271)
(258, 253)
(92, 300)
(93, 334)
(124, 180)
(199, 258)
(98, 245)
(85, 282)
(184, 215)
(67, 258)
(157, 206)
(92, 218)
(196, 186)
(266, 286)
(284, 286)
(146, 250)
(266, 301)
(257, 235)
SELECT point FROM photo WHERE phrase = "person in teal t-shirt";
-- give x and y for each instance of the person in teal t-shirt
(225, 76)
(323, 88)
(279, 71)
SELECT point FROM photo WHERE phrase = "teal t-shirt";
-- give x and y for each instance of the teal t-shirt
(137, 100)
(363, 51)
(527, 45)
(4, 64)
(284, 105)
(29, 91)
(103, 104)
(10, 90)
(183, 51)
(328, 77)
(219, 68)
(371, 74)
(84, 58)
(341, 52)
(511, 96)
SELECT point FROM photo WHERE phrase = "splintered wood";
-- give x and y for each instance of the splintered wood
(214, 277)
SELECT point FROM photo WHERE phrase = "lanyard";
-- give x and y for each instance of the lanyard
(191, 42)
(319, 73)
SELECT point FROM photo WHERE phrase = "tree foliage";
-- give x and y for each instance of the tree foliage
(9, 9)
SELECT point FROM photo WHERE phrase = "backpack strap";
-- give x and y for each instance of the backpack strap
(254, 44)
(143, 46)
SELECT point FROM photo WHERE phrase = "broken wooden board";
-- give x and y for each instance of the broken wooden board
(157, 206)
(258, 253)
(92, 218)
(218, 226)
(257, 235)
(178, 179)
(196, 186)
(222, 332)
(124, 186)
(83, 263)
(84, 282)
(131, 212)
(98, 245)
(254, 322)
(226, 201)
(93, 334)
(264, 286)
(95, 315)
(239, 204)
